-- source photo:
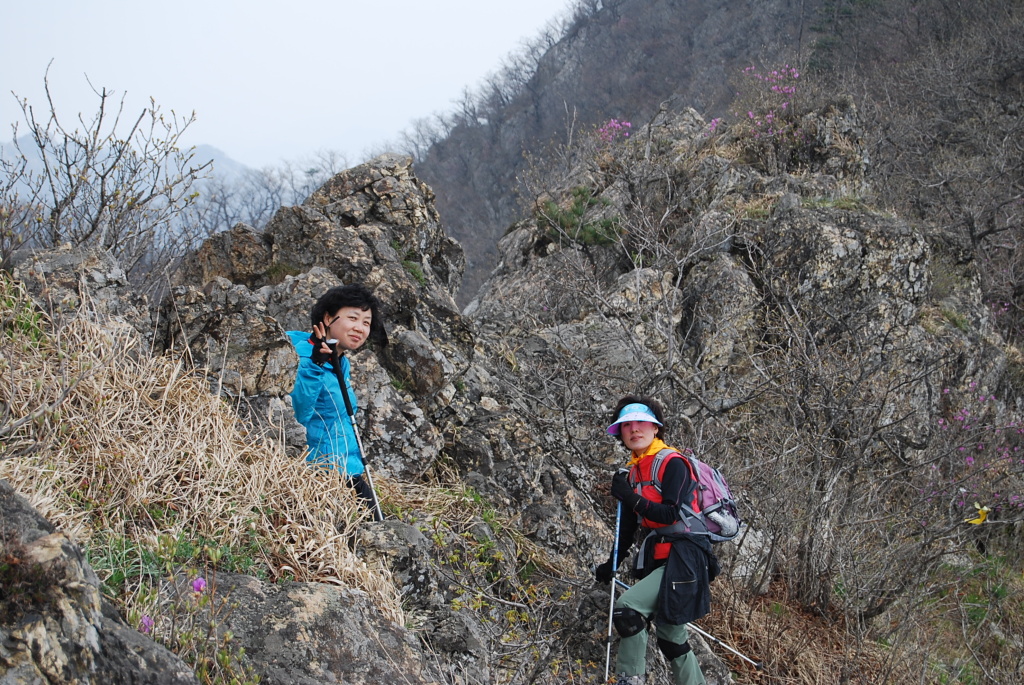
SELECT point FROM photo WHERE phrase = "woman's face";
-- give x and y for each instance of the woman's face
(638, 435)
(350, 326)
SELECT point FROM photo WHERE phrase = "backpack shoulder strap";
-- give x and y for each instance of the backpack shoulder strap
(659, 462)
(691, 520)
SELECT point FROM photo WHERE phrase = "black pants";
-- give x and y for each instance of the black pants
(363, 491)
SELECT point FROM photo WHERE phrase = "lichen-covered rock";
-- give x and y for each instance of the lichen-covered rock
(313, 633)
(399, 438)
(290, 301)
(721, 304)
(871, 268)
(226, 329)
(241, 254)
(406, 551)
(55, 626)
(61, 279)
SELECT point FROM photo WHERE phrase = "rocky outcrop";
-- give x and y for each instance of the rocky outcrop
(736, 296)
(312, 633)
(226, 330)
(374, 224)
(55, 626)
(60, 279)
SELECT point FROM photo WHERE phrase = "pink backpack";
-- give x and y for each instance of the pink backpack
(712, 511)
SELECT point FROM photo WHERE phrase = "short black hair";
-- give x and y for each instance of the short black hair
(352, 295)
(656, 408)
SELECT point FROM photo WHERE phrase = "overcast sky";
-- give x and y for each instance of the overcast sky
(268, 80)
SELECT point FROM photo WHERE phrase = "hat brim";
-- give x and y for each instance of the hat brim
(633, 416)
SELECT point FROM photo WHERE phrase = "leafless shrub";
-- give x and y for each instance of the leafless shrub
(115, 181)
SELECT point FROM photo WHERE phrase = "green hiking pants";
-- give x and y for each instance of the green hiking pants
(632, 657)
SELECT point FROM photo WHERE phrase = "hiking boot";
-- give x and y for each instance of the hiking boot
(631, 679)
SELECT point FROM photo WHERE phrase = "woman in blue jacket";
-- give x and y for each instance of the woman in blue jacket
(349, 315)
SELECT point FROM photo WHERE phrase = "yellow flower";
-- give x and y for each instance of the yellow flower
(982, 515)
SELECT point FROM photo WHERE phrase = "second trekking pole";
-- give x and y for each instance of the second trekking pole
(336, 364)
(611, 598)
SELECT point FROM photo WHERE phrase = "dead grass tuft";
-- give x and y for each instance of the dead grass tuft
(125, 447)
(795, 646)
(758, 207)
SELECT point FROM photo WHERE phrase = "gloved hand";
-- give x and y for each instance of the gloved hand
(603, 572)
(318, 355)
(621, 489)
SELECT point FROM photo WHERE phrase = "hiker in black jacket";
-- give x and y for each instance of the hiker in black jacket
(673, 567)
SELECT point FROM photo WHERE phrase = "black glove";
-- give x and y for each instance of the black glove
(603, 572)
(318, 356)
(621, 489)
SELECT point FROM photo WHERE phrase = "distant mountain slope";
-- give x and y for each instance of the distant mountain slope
(224, 168)
(615, 59)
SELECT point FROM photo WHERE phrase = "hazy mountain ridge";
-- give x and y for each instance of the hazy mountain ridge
(923, 74)
(223, 165)
(621, 61)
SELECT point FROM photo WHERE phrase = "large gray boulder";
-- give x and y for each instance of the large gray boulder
(63, 279)
(312, 633)
(55, 626)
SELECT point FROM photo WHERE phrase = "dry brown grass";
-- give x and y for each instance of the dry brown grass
(757, 207)
(126, 447)
(796, 646)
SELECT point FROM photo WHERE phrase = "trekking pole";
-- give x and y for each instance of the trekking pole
(336, 364)
(758, 665)
(611, 594)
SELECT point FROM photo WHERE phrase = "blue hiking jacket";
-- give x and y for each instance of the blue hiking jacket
(320, 407)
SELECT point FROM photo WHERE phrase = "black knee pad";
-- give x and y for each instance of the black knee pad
(628, 622)
(672, 650)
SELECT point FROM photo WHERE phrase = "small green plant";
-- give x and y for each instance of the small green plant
(120, 562)
(758, 213)
(279, 270)
(191, 623)
(957, 319)
(571, 222)
(410, 262)
(20, 317)
(846, 203)
(415, 270)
